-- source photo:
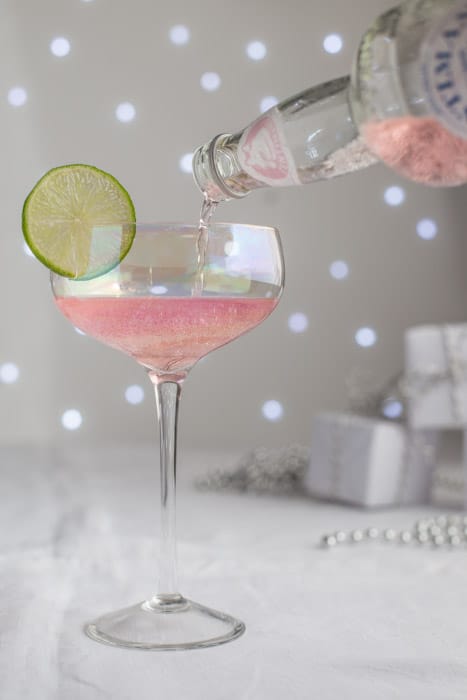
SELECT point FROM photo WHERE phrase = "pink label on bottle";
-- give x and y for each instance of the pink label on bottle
(264, 154)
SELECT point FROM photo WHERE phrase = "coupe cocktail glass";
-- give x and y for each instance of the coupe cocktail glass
(160, 306)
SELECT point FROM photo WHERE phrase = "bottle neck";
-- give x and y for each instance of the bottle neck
(308, 137)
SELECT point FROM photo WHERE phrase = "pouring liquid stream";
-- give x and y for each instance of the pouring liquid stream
(207, 210)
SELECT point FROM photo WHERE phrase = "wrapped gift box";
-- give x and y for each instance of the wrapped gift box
(369, 462)
(436, 376)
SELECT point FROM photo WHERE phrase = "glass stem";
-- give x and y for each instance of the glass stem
(167, 401)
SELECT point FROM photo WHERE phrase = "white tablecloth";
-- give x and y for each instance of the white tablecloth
(77, 539)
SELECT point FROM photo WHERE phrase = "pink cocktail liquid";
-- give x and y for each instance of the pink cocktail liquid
(165, 333)
(419, 148)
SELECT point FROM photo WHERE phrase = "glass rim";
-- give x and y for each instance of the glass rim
(164, 225)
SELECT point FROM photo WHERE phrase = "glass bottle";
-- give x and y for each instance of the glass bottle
(405, 104)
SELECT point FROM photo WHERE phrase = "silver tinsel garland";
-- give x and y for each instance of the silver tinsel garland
(262, 470)
(368, 398)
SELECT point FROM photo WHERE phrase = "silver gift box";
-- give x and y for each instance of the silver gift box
(370, 462)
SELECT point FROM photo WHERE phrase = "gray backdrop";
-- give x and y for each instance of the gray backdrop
(121, 51)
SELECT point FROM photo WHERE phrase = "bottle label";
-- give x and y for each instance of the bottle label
(444, 69)
(263, 152)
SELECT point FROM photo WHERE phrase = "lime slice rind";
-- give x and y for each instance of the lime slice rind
(79, 221)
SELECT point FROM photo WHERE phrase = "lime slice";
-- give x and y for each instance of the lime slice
(79, 221)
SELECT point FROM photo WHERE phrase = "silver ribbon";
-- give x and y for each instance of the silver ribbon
(417, 382)
(336, 461)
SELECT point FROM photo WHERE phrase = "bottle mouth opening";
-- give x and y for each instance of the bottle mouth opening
(206, 173)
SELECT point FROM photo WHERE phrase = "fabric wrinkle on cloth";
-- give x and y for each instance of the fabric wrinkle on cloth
(376, 622)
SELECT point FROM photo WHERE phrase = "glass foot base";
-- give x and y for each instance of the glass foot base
(164, 624)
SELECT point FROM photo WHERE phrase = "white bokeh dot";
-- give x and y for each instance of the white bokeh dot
(72, 419)
(158, 290)
(210, 81)
(268, 102)
(427, 229)
(9, 373)
(394, 196)
(339, 270)
(17, 96)
(333, 43)
(125, 112)
(186, 163)
(272, 411)
(298, 322)
(392, 408)
(79, 331)
(256, 50)
(134, 394)
(366, 337)
(60, 46)
(179, 34)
